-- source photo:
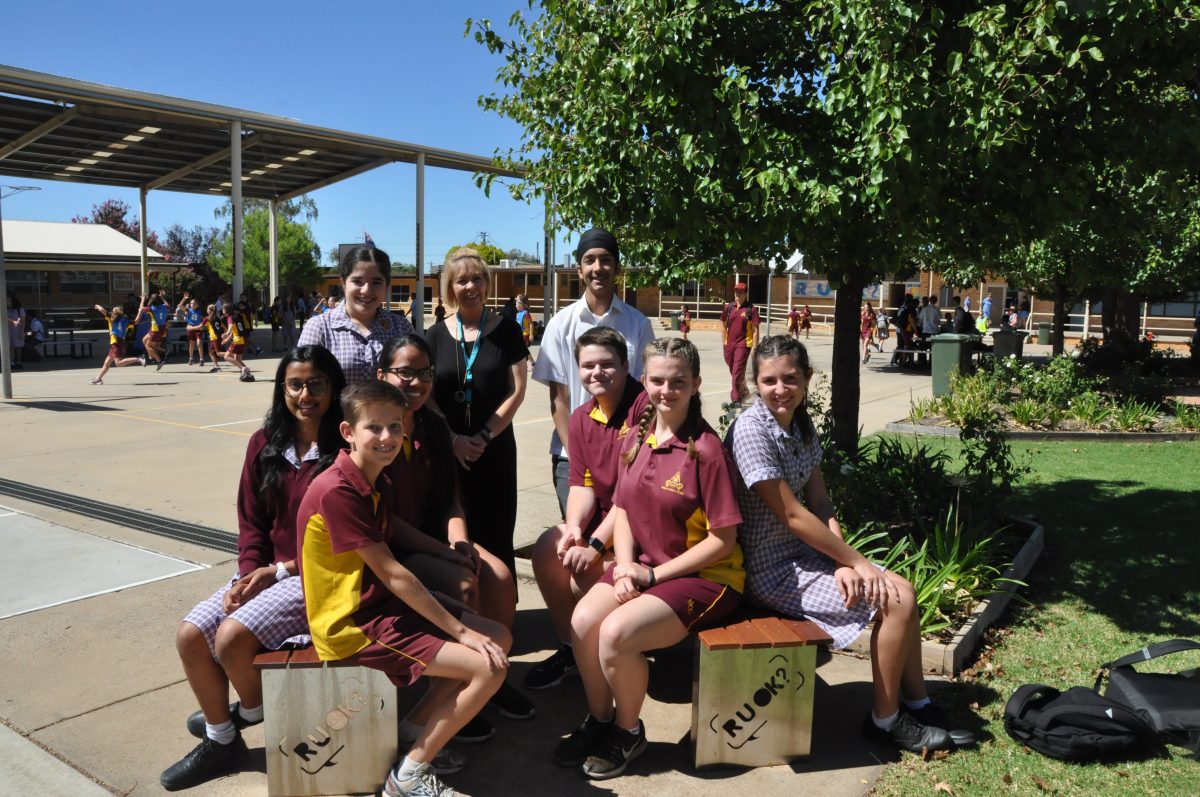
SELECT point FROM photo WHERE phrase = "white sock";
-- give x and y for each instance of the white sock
(636, 730)
(409, 731)
(251, 714)
(885, 723)
(221, 734)
(917, 704)
(408, 769)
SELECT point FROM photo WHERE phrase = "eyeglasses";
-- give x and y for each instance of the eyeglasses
(409, 374)
(316, 387)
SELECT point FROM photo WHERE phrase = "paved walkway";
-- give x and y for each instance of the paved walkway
(91, 591)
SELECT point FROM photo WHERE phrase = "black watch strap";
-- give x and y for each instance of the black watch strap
(600, 547)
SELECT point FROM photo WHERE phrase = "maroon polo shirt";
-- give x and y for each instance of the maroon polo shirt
(267, 521)
(416, 478)
(740, 323)
(597, 442)
(672, 500)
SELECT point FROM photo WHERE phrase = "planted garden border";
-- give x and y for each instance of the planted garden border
(947, 658)
(899, 427)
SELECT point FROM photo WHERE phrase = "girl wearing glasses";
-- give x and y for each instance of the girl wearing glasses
(263, 605)
(431, 527)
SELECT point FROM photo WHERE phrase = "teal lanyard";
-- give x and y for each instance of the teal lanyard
(469, 360)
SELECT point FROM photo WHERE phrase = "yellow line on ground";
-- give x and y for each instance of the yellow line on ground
(180, 425)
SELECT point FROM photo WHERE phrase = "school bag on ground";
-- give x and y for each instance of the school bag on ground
(1079, 724)
(1168, 703)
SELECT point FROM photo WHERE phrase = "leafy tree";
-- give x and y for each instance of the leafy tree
(869, 134)
(191, 246)
(115, 213)
(490, 253)
(299, 255)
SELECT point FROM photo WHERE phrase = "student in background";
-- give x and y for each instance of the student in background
(117, 324)
(194, 319)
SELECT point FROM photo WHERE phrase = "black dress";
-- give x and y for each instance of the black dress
(489, 488)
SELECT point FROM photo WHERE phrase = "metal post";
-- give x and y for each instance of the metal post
(791, 293)
(1087, 319)
(548, 260)
(142, 236)
(235, 198)
(697, 298)
(272, 249)
(418, 318)
(770, 286)
(5, 351)
(1145, 314)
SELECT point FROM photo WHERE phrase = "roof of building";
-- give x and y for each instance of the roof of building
(68, 239)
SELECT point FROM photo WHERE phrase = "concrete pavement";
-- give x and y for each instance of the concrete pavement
(93, 692)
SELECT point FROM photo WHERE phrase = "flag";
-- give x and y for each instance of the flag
(367, 239)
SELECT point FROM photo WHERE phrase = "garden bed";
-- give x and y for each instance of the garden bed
(947, 658)
(935, 430)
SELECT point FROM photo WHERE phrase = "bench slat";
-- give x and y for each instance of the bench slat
(272, 659)
(810, 631)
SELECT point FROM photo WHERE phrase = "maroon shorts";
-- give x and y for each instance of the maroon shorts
(194, 335)
(214, 346)
(116, 350)
(401, 645)
(236, 348)
(697, 602)
(159, 336)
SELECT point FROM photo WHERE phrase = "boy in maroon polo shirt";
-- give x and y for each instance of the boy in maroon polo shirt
(740, 321)
(569, 558)
(364, 606)
(678, 566)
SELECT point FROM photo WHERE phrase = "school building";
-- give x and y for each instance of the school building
(62, 269)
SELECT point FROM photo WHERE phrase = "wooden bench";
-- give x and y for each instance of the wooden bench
(329, 727)
(752, 691)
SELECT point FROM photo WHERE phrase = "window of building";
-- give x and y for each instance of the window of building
(401, 294)
(83, 282)
(29, 281)
(534, 280)
(1185, 306)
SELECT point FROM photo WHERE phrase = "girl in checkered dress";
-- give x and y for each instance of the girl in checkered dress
(797, 562)
(263, 605)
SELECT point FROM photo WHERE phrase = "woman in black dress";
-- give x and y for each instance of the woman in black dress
(480, 360)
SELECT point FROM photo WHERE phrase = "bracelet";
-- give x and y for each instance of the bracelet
(486, 434)
(652, 580)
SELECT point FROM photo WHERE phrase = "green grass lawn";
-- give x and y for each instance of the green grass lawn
(1120, 570)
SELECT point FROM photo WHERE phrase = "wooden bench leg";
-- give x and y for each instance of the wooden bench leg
(753, 707)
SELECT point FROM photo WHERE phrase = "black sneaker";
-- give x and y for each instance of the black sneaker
(209, 760)
(215, 369)
(161, 362)
(550, 672)
(930, 714)
(476, 731)
(909, 734)
(621, 747)
(195, 722)
(573, 750)
(512, 704)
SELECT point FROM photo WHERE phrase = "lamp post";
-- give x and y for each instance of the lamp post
(5, 349)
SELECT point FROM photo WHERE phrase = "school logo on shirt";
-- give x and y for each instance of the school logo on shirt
(624, 431)
(674, 484)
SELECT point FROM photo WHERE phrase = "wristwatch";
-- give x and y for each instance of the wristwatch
(599, 546)
(281, 571)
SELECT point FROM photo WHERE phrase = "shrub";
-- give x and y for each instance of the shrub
(1091, 409)
(1187, 416)
(920, 409)
(1026, 413)
(1133, 416)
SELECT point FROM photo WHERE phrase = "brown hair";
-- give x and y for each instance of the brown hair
(356, 397)
(607, 337)
(774, 346)
(683, 350)
(459, 261)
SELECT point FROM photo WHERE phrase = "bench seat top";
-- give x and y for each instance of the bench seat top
(764, 632)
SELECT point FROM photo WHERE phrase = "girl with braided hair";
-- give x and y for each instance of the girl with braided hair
(678, 566)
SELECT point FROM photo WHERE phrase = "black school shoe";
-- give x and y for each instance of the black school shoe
(195, 722)
(574, 749)
(551, 671)
(931, 714)
(512, 704)
(475, 731)
(208, 761)
(909, 734)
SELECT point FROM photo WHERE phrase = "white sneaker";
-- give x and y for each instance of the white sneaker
(423, 783)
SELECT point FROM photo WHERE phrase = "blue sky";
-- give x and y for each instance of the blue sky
(402, 70)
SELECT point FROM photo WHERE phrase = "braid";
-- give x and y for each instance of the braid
(643, 427)
(694, 419)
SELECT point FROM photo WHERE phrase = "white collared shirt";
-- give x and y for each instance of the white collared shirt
(556, 358)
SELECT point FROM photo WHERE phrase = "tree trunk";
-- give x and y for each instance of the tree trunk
(1120, 317)
(1057, 346)
(844, 394)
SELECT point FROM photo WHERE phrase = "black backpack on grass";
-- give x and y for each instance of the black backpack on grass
(1079, 724)
(1168, 703)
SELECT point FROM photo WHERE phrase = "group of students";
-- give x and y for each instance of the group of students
(226, 338)
(352, 535)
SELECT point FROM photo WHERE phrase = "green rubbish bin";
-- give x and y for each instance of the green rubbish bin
(675, 322)
(1044, 329)
(951, 354)
(1007, 343)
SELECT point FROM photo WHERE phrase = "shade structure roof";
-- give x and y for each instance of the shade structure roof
(57, 128)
